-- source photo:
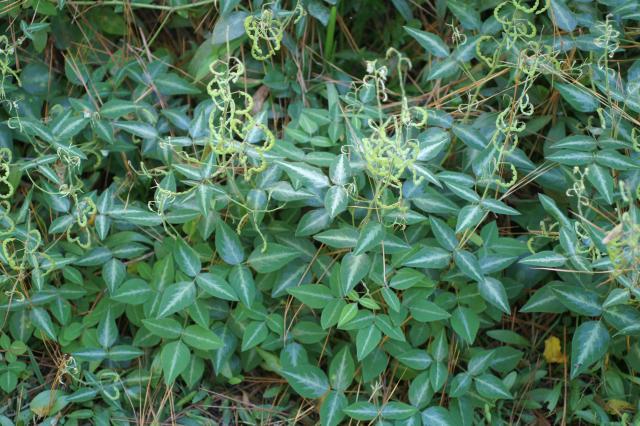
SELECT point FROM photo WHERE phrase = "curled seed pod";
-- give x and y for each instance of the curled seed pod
(231, 121)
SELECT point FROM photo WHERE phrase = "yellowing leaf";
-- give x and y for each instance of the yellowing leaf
(617, 407)
(553, 351)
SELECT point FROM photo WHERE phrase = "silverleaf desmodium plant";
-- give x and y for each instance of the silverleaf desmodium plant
(319, 212)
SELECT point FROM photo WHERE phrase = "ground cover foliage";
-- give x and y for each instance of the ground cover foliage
(326, 211)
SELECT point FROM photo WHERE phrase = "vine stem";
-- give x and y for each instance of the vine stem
(142, 5)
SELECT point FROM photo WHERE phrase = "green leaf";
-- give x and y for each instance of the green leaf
(133, 292)
(437, 416)
(444, 234)
(312, 118)
(170, 85)
(163, 273)
(395, 410)
(431, 42)
(470, 136)
(406, 278)
(417, 359)
(186, 258)
(193, 373)
(439, 348)
(491, 387)
(420, 392)
(552, 208)
(543, 300)
(8, 381)
(139, 129)
(307, 380)
(331, 411)
(429, 258)
(340, 170)
(48, 403)
(403, 7)
(443, 69)
(426, 311)
(42, 321)
(545, 259)
(331, 313)
(465, 323)
(343, 237)
(113, 273)
(468, 15)
(370, 237)
(493, 292)
(32, 127)
(433, 202)
(576, 143)
(617, 296)
(228, 244)
(273, 258)
(616, 161)
(176, 297)
(571, 158)
(254, 334)
(589, 345)
(423, 171)
(342, 369)
(199, 337)
(460, 385)
(308, 332)
(310, 175)
(467, 194)
(383, 322)
(336, 200)
(312, 222)
(117, 108)
(227, 6)
(319, 11)
(468, 264)
(315, 296)
(392, 300)
(579, 98)
(562, 16)
(349, 312)
(174, 359)
(283, 191)
(167, 328)
(496, 262)
(90, 354)
(367, 340)
(228, 27)
(469, 217)
(243, 284)
(136, 216)
(579, 300)
(107, 332)
(498, 207)
(480, 361)
(601, 179)
(432, 141)
(362, 411)
(68, 127)
(216, 286)
(353, 268)
(438, 375)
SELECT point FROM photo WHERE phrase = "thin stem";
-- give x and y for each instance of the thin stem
(329, 40)
(143, 5)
